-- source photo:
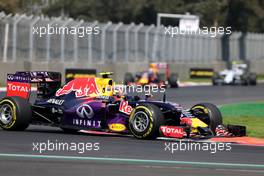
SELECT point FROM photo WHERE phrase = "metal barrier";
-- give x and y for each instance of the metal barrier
(116, 43)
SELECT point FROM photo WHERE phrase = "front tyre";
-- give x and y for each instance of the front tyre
(15, 113)
(145, 121)
(208, 113)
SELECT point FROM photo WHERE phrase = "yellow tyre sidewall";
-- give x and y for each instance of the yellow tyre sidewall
(150, 126)
(14, 114)
(205, 110)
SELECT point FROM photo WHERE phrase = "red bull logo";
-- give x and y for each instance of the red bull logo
(81, 87)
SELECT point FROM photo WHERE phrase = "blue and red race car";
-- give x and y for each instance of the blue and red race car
(94, 104)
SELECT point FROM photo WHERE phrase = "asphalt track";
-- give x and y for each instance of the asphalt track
(124, 155)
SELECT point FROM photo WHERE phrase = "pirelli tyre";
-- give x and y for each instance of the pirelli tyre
(252, 79)
(244, 80)
(208, 113)
(15, 113)
(161, 77)
(145, 121)
(215, 79)
(173, 80)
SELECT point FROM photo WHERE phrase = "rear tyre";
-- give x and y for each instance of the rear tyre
(173, 80)
(15, 113)
(215, 77)
(161, 77)
(128, 78)
(252, 79)
(209, 114)
(244, 80)
(145, 121)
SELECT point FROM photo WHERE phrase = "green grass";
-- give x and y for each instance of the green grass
(250, 115)
(260, 77)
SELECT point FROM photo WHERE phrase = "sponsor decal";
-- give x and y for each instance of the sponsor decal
(172, 131)
(87, 123)
(117, 127)
(85, 111)
(55, 101)
(201, 72)
(18, 89)
(56, 110)
(18, 78)
(10, 77)
(125, 108)
(81, 87)
(186, 121)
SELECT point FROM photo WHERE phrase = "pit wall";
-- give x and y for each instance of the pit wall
(119, 69)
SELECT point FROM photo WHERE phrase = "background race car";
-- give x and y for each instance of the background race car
(158, 74)
(238, 72)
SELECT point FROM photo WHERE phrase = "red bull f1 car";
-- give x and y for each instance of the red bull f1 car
(158, 74)
(94, 104)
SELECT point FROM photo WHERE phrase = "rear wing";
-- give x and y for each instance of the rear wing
(19, 84)
(163, 65)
